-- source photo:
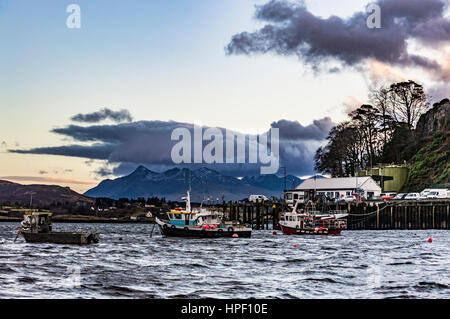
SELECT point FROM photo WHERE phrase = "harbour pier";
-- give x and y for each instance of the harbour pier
(371, 215)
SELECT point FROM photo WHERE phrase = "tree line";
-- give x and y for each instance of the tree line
(379, 132)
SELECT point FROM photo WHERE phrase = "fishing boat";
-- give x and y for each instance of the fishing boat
(37, 228)
(312, 222)
(201, 223)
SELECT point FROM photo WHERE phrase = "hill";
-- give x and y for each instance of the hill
(431, 163)
(42, 194)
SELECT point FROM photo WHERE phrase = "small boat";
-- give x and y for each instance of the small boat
(200, 224)
(311, 222)
(37, 228)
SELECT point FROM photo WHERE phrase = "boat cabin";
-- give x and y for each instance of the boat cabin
(181, 218)
(37, 222)
(195, 218)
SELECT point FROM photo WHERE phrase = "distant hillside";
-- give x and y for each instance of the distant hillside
(431, 163)
(173, 184)
(273, 182)
(42, 194)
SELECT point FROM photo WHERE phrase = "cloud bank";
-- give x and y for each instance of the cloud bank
(290, 29)
(127, 145)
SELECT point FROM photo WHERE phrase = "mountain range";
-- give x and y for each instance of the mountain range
(204, 182)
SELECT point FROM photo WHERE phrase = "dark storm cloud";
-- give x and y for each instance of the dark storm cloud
(293, 130)
(104, 114)
(292, 30)
(97, 151)
(127, 145)
(104, 172)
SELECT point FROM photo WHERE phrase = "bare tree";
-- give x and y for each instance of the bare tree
(380, 99)
(408, 101)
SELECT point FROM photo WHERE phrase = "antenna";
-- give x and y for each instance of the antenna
(190, 180)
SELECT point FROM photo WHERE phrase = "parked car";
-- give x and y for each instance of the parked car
(412, 196)
(400, 196)
(350, 198)
(257, 198)
(388, 196)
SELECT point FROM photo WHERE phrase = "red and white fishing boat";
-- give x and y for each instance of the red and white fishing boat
(311, 222)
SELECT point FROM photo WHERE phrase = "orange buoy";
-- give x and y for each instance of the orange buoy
(235, 235)
(430, 240)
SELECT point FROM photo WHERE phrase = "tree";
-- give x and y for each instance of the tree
(340, 157)
(366, 120)
(408, 101)
(380, 99)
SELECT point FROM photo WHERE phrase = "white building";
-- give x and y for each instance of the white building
(340, 187)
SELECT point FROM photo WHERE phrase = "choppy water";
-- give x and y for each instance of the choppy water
(357, 264)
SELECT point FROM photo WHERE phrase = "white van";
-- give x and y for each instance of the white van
(424, 193)
(437, 194)
(257, 198)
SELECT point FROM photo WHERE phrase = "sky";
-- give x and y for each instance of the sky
(190, 62)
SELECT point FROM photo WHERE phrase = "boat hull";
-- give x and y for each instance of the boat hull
(61, 238)
(299, 231)
(190, 232)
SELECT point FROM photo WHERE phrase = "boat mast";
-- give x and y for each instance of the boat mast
(294, 210)
(188, 201)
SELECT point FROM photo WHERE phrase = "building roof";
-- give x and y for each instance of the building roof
(336, 183)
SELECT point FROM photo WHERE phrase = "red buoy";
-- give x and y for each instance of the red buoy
(430, 240)
(274, 232)
(120, 238)
(235, 235)
(295, 245)
(320, 229)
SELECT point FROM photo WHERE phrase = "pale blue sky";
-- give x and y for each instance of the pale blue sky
(161, 60)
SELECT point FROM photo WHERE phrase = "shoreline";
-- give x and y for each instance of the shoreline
(81, 221)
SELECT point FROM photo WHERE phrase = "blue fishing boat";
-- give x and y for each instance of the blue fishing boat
(202, 223)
